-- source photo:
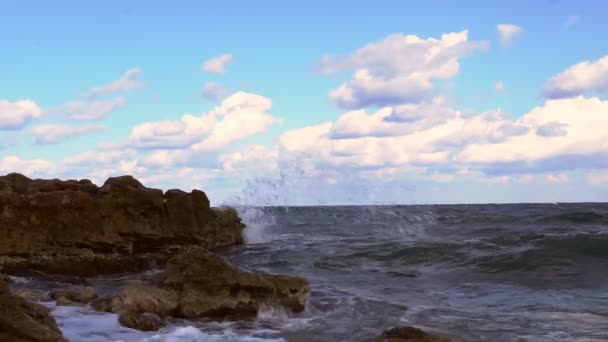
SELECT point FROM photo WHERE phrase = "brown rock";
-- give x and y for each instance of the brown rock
(75, 228)
(141, 321)
(62, 301)
(139, 298)
(31, 295)
(210, 286)
(408, 334)
(82, 294)
(120, 214)
(23, 321)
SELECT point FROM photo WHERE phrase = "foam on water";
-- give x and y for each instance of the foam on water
(84, 324)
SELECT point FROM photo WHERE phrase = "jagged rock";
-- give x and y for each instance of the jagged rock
(23, 321)
(83, 294)
(75, 228)
(408, 334)
(141, 321)
(208, 285)
(31, 295)
(140, 306)
(139, 298)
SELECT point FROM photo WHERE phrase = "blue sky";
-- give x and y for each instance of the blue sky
(446, 116)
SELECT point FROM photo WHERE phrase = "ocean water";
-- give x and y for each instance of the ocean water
(521, 272)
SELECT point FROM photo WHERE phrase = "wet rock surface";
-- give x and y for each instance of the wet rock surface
(24, 321)
(408, 334)
(51, 218)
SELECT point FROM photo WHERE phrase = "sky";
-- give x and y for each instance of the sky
(315, 102)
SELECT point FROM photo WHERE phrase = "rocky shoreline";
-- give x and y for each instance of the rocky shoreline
(70, 231)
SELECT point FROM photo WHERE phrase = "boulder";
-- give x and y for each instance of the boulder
(141, 321)
(139, 298)
(83, 294)
(408, 334)
(31, 295)
(139, 306)
(23, 321)
(207, 285)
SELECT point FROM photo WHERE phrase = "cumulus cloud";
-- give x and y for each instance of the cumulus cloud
(552, 129)
(237, 117)
(29, 167)
(547, 139)
(213, 91)
(127, 82)
(79, 110)
(252, 159)
(55, 134)
(508, 32)
(15, 115)
(581, 78)
(399, 69)
(559, 137)
(217, 65)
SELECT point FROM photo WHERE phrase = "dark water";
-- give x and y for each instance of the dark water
(522, 272)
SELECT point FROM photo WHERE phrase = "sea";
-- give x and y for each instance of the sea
(492, 272)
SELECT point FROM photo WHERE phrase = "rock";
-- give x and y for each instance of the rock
(140, 306)
(62, 301)
(5, 278)
(31, 295)
(141, 321)
(55, 278)
(76, 228)
(121, 215)
(408, 334)
(139, 298)
(83, 294)
(23, 321)
(208, 285)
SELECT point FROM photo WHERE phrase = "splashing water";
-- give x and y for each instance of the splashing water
(258, 220)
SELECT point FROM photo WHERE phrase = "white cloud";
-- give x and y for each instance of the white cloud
(581, 78)
(79, 110)
(252, 159)
(127, 82)
(547, 139)
(33, 167)
(508, 32)
(217, 65)
(237, 117)
(213, 91)
(399, 69)
(15, 115)
(99, 158)
(54, 133)
(499, 87)
(571, 127)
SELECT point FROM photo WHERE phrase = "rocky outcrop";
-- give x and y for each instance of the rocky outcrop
(23, 321)
(65, 231)
(31, 295)
(408, 334)
(200, 284)
(75, 296)
(210, 286)
(76, 228)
